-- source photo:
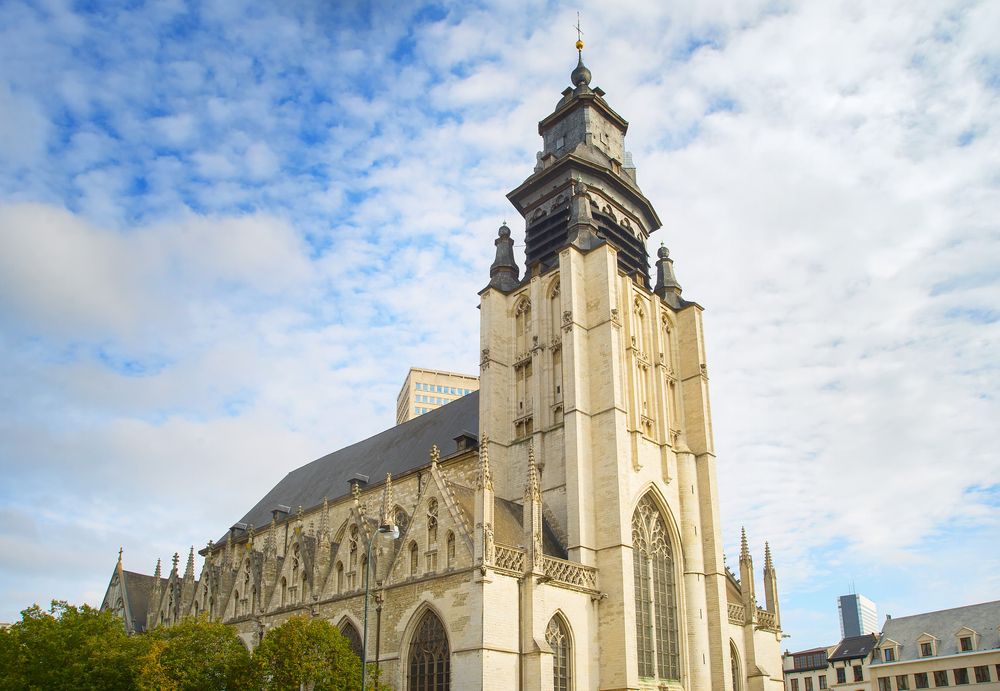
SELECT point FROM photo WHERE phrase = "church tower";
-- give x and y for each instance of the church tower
(601, 376)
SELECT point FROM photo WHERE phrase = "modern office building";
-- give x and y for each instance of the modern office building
(427, 389)
(857, 616)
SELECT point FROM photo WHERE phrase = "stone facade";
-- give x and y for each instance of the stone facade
(573, 539)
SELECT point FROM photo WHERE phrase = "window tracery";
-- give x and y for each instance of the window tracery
(429, 657)
(655, 594)
(558, 639)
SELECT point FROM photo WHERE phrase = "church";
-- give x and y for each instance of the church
(559, 528)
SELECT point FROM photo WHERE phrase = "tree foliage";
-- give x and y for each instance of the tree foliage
(192, 655)
(67, 648)
(306, 651)
(82, 649)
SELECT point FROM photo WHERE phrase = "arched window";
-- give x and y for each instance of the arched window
(348, 631)
(558, 639)
(451, 549)
(340, 576)
(413, 558)
(430, 657)
(656, 625)
(364, 571)
(402, 520)
(734, 659)
(284, 591)
(432, 530)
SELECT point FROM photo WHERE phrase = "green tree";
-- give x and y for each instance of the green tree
(66, 648)
(192, 655)
(306, 651)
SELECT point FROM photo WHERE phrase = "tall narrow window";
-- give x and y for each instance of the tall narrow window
(451, 549)
(340, 576)
(350, 632)
(413, 558)
(558, 640)
(429, 657)
(655, 597)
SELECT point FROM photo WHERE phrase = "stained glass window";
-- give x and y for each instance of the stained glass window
(430, 657)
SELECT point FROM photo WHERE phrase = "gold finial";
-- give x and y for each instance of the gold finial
(579, 33)
(120, 550)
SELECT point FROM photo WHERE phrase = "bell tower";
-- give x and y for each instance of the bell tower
(602, 373)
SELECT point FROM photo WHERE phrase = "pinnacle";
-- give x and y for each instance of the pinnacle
(531, 491)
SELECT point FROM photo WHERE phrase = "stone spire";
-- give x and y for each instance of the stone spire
(177, 558)
(156, 574)
(484, 478)
(189, 569)
(504, 274)
(435, 455)
(484, 507)
(386, 517)
(771, 586)
(667, 287)
(531, 490)
(532, 516)
(746, 578)
(324, 520)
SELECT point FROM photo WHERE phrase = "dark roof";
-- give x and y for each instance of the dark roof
(854, 648)
(810, 651)
(396, 450)
(138, 588)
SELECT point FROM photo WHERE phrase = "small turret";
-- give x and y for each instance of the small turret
(504, 274)
(667, 287)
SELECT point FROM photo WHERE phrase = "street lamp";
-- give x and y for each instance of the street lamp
(393, 532)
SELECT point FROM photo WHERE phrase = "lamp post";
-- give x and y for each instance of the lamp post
(393, 532)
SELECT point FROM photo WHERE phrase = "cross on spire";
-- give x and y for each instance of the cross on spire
(579, 33)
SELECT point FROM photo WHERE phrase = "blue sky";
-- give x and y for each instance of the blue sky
(227, 230)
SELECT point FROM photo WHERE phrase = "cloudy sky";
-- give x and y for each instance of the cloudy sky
(226, 232)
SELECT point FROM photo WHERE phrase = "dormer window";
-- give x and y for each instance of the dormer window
(926, 650)
(560, 143)
(928, 645)
(968, 640)
(890, 650)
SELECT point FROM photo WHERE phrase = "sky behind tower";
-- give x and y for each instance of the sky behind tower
(228, 229)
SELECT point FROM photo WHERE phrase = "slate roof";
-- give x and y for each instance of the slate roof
(943, 625)
(396, 450)
(854, 648)
(138, 588)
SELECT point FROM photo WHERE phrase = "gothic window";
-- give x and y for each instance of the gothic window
(284, 591)
(402, 520)
(734, 659)
(432, 530)
(558, 640)
(655, 597)
(340, 576)
(236, 603)
(413, 558)
(364, 571)
(350, 632)
(522, 326)
(253, 599)
(354, 546)
(451, 549)
(429, 657)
